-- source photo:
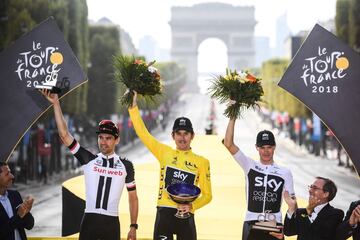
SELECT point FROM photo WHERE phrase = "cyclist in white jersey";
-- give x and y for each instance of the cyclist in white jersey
(106, 174)
(265, 183)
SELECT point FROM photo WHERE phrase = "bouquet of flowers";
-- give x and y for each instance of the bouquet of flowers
(240, 90)
(136, 75)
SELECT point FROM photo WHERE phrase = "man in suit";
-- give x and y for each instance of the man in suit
(351, 224)
(318, 221)
(14, 212)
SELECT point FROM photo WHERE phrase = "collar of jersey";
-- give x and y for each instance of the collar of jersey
(184, 151)
(268, 165)
(108, 157)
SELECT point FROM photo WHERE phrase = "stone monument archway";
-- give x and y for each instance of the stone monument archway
(190, 26)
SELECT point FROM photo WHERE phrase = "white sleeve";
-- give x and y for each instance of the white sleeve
(244, 161)
(289, 183)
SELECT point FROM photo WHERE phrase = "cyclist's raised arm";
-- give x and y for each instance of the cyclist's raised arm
(64, 133)
(229, 137)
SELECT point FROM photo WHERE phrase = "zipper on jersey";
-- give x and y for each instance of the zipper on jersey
(265, 192)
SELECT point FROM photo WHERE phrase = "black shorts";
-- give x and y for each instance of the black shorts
(166, 224)
(251, 234)
(99, 227)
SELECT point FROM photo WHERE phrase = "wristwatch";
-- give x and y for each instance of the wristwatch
(134, 225)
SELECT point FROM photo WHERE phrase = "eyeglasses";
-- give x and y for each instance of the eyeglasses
(313, 187)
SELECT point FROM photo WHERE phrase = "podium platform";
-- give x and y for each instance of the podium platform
(221, 219)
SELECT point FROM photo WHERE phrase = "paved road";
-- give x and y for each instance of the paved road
(47, 208)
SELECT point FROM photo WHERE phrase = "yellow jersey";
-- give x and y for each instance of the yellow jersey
(175, 166)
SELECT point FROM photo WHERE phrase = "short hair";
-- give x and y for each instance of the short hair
(2, 163)
(329, 187)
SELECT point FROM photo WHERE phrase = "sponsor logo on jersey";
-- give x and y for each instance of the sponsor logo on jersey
(272, 183)
(111, 172)
(181, 175)
(208, 177)
(191, 166)
(118, 164)
(98, 162)
(275, 171)
(262, 196)
(264, 191)
(259, 168)
(175, 175)
(175, 161)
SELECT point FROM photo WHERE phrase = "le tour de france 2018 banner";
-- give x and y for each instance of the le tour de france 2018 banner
(41, 58)
(325, 76)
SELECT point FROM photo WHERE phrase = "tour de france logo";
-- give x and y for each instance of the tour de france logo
(39, 66)
(323, 72)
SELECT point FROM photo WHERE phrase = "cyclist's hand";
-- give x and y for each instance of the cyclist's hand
(185, 208)
(51, 97)
(132, 234)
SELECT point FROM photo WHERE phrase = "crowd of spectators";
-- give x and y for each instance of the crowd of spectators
(310, 134)
(40, 154)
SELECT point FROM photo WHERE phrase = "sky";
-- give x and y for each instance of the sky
(140, 18)
(143, 17)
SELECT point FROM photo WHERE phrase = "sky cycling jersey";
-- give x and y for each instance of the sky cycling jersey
(264, 187)
(175, 166)
(105, 177)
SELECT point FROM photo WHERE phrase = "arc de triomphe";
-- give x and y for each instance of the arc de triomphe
(190, 26)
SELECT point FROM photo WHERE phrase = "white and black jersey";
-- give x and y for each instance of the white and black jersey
(264, 186)
(105, 177)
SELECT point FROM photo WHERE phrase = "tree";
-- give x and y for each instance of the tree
(76, 101)
(16, 20)
(275, 97)
(102, 95)
(354, 24)
(342, 19)
(173, 77)
(59, 10)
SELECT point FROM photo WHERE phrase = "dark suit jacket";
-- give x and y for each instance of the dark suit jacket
(7, 225)
(344, 230)
(323, 228)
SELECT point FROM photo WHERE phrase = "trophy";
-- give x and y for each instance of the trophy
(49, 83)
(267, 222)
(183, 193)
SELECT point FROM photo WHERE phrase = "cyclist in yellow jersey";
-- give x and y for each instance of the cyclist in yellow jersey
(176, 165)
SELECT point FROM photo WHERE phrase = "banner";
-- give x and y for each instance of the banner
(325, 76)
(42, 57)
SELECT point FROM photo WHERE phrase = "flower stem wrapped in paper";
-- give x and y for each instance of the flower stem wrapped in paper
(136, 75)
(240, 90)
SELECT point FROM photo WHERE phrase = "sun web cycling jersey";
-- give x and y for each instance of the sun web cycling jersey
(264, 186)
(105, 177)
(175, 166)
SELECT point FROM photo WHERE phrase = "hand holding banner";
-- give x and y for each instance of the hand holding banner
(39, 59)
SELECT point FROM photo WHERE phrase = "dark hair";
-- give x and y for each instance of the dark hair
(329, 187)
(2, 164)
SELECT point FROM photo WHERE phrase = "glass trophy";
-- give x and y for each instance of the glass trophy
(267, 222)
(183, 193)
